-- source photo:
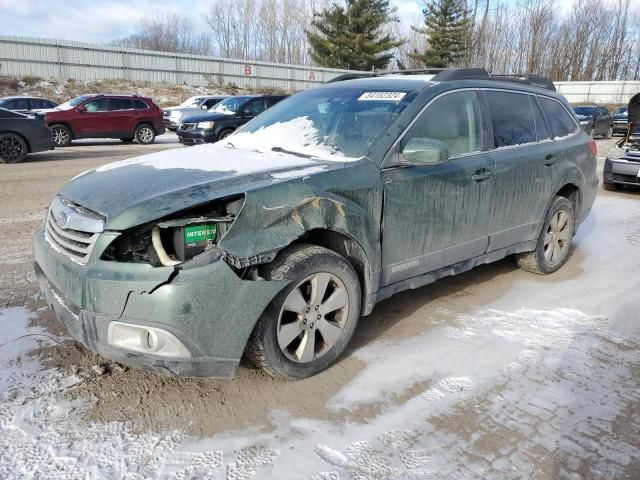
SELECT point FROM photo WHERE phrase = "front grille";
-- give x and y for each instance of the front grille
(74, 243)
(187, 126)
(625, 178)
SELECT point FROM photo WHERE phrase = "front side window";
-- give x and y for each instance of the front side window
(453, 119)
(561, 123)
(18, 104)
(99, 105)
(333, 121)
(74, 102)
(512, 119)
(255, 107)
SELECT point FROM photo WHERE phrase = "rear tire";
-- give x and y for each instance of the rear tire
(61, 135)
(13, 148)
(310, 323)
(145, 134)
(554, 244)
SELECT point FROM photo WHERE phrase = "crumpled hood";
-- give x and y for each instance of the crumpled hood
(139, 190)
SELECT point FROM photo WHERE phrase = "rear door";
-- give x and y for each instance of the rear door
(122, 117)
(524, 157)
(438, 215)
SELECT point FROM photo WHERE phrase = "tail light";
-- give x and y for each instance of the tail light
(593, 147)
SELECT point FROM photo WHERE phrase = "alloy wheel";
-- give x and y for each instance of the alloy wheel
(313, 317)
(145, 134)
(558, 237)
(60, 136)
(11, 149)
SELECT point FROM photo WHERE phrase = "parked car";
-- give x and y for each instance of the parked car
(221, 120)
(622, 165)
(173, 115)
(270, 243)
(22, 134)
(595, 120)
(620, 120)
(127, 117)
(26, 104)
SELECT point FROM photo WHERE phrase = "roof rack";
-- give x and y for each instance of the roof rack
(449, 74)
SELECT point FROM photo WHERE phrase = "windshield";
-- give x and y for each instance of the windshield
(585, 111)
(74, 102)
(325, 122)
(191, 102)
(621, 111)
(229, 106)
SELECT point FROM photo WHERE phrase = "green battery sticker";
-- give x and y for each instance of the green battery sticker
(201, 234)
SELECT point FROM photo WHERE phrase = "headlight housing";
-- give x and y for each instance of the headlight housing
(178, 238)
(206, 125)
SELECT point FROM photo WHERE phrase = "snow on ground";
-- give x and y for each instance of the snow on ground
(541, 383)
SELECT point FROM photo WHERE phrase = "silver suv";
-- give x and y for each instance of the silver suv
(172, 116)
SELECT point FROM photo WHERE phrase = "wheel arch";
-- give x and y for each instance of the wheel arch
(144, 122)
(571, 192)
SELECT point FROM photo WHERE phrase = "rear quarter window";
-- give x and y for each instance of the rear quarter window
(560, 121)
(139, 105)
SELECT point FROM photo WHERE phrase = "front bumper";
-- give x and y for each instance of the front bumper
(209, 309)
(197, 136)
(620, 127)
(170, 122)
(621, 171)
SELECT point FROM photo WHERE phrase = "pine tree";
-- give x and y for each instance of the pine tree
(447, 25)
(353, 36)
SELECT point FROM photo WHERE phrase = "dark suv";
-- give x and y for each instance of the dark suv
(26, 104)
(127, 117)
(223, 118)
(595, 120)
(273, 242)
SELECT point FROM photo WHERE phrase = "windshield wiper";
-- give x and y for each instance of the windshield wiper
(291, 152)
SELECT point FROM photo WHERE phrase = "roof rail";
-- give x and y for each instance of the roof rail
(449, 74)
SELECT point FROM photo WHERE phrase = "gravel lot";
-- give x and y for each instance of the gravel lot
(494, 373)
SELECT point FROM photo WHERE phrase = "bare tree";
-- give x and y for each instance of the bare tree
(168, 33)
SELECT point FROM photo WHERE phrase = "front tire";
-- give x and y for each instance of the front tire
(554, 244)
(61, 135)
(145, 134)
(224, 134)
(13, 148)
(310, 323)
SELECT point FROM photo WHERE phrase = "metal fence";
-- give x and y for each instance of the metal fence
(83, 61)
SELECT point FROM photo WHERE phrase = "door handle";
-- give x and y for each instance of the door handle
(550, 160)
(480, 175)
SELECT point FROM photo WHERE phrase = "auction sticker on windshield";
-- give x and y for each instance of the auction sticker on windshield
(383, 96)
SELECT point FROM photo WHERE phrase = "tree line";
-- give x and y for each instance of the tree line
(588, 40)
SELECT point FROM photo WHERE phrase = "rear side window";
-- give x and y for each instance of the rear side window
(561, 123)
(120, 104)
(512, 119)
(40, 103)
(542, 131)
(454, 119)
(18, 104)
(139, 105)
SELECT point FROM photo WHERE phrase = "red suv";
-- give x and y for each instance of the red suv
(125, 117)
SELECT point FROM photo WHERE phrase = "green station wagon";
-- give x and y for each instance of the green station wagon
(273, 242)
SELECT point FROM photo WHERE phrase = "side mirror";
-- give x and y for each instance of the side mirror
(246, 113)
(204, 107)
(426, 151)
(81, 108)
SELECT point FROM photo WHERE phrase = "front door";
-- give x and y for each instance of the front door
(435, 216)
(94, 119)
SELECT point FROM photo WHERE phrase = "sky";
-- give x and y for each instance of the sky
(106, 20)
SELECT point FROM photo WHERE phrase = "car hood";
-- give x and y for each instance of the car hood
(583, 117)
(207, 116)
(139, 190)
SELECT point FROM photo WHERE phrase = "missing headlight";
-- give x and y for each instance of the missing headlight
(177, 239)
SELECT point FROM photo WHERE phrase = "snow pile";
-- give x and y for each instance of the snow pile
(298, 134)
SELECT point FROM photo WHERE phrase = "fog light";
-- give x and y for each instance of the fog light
(138, 338)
